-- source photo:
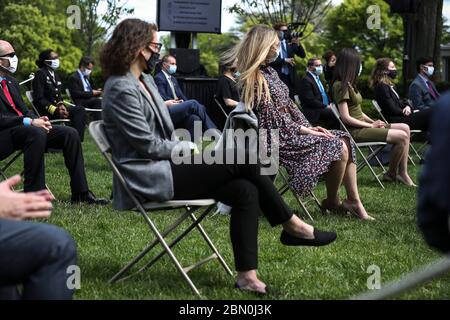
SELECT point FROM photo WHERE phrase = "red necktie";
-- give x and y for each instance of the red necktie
(9, 98)
(431, 89)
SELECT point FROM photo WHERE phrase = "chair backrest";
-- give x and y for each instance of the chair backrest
(220, 105)
(97, 131)
(69, 95)
(29, 95)
(378, 108)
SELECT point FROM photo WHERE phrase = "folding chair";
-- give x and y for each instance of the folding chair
(96, 130)
(286, 187)
(72, 104)
(374, 147)
(29, 95)
(220, 106)
(413, 132)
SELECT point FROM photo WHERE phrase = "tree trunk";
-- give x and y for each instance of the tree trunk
(423, 32)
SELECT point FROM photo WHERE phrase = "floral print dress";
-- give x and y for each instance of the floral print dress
(305, 157)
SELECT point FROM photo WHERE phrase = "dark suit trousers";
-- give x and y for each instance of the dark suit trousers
(185, 114)
(92, 103)
(77, 116)
(246, 191)
(37, 256)
(34, 142)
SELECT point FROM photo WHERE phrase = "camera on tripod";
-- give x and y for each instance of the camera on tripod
(291, 33)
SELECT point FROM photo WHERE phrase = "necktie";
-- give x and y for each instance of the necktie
(172, 87)
(88, 85)
(9, 98)
(322, 91)
(432, 91)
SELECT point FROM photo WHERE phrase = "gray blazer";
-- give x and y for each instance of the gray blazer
(139, 130)
(420, 96)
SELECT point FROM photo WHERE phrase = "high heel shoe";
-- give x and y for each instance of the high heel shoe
(403, 181)
(352, 211)
(321, 238)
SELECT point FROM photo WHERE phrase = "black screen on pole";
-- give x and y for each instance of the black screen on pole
(190, 15)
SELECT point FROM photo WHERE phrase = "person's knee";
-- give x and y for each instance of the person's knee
(345, 151)
(71, 134)
(196, 107)
(248, 195)
(58, 243)
(36, 135)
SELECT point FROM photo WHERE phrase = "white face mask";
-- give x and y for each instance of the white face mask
(274, 57)
(54, 64)
(13, 62)
(430, 70)
(360, 70)
(87, 72)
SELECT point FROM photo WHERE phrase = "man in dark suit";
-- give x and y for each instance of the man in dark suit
(314, 98)
(284, 64)
(21, 129)
(183, 112)
(81, 90)
(36, 256)
(47, 93)
(434, 194)
(422, 91)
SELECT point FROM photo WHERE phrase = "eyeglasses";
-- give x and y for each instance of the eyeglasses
(157, 45)
(10, 55)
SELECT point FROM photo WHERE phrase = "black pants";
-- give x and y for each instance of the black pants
(37, 256)
(77, 116)
(245, 190)
(92, 103)
(34, 142)
(416, 121)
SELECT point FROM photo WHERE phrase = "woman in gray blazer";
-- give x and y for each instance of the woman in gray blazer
(140, 131)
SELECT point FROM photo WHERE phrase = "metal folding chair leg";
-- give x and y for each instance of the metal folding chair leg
(366, 161)
(136, 259)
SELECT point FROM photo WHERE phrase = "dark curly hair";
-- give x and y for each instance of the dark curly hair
(128, 38)
(44, 55)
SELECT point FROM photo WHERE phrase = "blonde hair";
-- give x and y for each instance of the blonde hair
(249, 55)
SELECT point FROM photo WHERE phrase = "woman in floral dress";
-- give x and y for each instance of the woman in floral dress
(306, 152)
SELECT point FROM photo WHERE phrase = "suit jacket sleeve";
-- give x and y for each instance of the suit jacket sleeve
(76, 88)
(386, 102)
(162, 84)
(41, 102)
(129, 118)
(306, 95)
(434, 195)
(298, 50)
(415, 94)
(9, 121)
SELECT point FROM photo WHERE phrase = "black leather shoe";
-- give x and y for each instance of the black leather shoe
(89, 198)
(321, 238)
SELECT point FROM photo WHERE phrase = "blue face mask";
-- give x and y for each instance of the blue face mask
(319, 71)
(172, 69)
(237, 74)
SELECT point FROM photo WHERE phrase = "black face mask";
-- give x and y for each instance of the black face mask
(392, 74)
(151, 63)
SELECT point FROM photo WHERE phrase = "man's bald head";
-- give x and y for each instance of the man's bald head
(5, 47)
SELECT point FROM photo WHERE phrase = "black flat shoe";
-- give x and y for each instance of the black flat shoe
(88, 198)
(321, 238)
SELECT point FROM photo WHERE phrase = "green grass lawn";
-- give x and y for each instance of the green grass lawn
(107, 239)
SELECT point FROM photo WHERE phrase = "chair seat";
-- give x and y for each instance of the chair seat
(179, 204)
(370, 144)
